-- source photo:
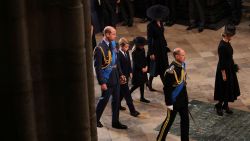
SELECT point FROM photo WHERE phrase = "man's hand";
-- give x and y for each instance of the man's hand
(152, 57)
(123, 79)
(170, 107)
(145, 69)
(104, 87)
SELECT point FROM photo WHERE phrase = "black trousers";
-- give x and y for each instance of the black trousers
(103, 100)
(134, 87)
(124, 93)
(197, 12)
(126, 11)
(166, 125)
(235, 9)
(172, 5)
(108, 11)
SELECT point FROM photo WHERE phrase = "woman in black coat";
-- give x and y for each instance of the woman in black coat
(157, 50)
(226, 82)
(140, 67)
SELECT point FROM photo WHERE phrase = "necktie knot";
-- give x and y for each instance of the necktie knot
(110, 45)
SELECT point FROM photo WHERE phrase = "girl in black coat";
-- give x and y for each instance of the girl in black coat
(140, 67)
(226, 82)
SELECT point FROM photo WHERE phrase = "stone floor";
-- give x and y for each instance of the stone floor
(201, 61)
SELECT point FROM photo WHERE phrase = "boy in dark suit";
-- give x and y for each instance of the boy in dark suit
(125, 64)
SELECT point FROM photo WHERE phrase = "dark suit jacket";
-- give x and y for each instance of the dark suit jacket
(125, 64)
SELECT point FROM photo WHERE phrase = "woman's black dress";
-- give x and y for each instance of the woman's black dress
(226, 90)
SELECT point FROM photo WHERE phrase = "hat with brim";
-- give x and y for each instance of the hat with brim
(140, 41)
(158, 12)
(229, 30)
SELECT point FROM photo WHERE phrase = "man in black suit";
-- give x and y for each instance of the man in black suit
(197, 14)
(108, 12)
(108, 76)
(235, 11)
(126, 12)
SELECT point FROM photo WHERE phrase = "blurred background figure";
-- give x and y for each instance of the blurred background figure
(235, 11)
(126, 12)
(196, 14)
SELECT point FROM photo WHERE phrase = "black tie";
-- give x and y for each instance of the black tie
(110, 46)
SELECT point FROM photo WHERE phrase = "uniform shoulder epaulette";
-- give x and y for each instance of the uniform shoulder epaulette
(170, 70)
(107, 59)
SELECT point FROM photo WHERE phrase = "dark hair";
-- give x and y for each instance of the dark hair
(229, 30)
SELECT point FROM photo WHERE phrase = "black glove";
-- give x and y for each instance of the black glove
(236, 67)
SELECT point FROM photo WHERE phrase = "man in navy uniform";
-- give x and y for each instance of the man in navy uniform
(108, 76)
(176, 97)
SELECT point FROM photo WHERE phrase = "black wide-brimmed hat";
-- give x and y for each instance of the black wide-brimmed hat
(158, 12)
(140, 41)
(229, 30)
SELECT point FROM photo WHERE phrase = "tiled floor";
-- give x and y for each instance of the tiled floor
(201, 61)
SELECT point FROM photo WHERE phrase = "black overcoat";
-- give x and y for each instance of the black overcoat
(226, 90)
(139, 61)
(157, 45)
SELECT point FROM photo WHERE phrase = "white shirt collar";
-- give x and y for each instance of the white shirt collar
(124, 53)
(106, 41)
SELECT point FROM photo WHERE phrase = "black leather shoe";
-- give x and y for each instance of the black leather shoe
(119, 126)
(122, 108)
(150, 87)
(169, 23)
(227, 110)
(124, 24)
(99, 124)
(219, 110)
(135, 113)
(144, 20)
(200, 29)
(144, 100)
(190, 27)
